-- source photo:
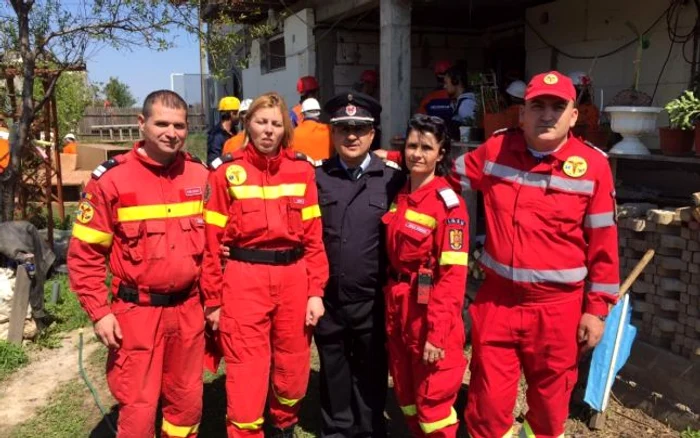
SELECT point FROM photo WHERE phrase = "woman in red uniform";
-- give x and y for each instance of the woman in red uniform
(427, 243)
(262, 204)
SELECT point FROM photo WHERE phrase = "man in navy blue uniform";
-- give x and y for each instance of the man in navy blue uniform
(355, 188)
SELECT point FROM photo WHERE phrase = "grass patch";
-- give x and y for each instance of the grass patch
(67, 313)
(12, 357)
(196, 144)
(690, 433)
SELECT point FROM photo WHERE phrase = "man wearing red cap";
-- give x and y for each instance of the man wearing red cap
(551, 262)
(369, 83)
(437, 102)
(307, 87)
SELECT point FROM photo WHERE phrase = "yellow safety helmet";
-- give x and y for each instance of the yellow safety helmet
(229, 103)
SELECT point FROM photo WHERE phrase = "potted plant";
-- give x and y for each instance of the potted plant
(677, 139)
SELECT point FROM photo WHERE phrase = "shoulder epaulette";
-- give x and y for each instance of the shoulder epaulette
(107, 165)
(392, 164)
(449, 197)
(221, 160)
(588, 143)
(303, 157)
(195, 159)
(503, 131)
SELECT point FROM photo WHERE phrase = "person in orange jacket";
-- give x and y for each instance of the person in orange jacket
(4, 145)
(438, 102)
(588, 114)
(427, 244)
(237, 141)
(307, 87)
(551, 262)
(311, 137)
(262, 204)
(142, 211)
(70, 144)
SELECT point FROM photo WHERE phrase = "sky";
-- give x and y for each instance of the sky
(145, 70)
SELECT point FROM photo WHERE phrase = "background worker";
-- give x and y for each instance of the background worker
(141, 213)
(462, 99)
(307, 87)
(588, 114)
(237, 141)
(225, 129)
(427, 242)
(262, 204)
(70, 144)
(369, 83)
(355, 188)
(551, 259)
(4, 145)
(437, 102)
(311, 137)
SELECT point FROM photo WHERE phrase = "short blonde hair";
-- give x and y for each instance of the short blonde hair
(272, 100)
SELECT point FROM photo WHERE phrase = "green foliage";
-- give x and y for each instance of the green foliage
(67, 313)
(690, 433)
(196, 144)
(683, 111)
(73, 94)
(12, 357)
(118, 93)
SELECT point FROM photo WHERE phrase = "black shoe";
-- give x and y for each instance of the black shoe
(282, 433)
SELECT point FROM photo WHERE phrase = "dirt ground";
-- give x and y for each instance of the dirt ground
(20, 400)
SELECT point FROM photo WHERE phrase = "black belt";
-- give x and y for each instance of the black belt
(267, 256)
(399, 278)
(132, 295)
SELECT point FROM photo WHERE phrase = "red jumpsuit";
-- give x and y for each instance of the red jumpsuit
(263, 203)
(427, 229)
(550, 253)
(147, 219)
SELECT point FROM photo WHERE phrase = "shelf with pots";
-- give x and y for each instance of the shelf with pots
(684, 117)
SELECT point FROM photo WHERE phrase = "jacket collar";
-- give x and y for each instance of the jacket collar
(148, 162)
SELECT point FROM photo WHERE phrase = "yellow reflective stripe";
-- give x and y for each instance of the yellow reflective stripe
(409, 411)
(267, 192)
(287, 401)
(255, 425)
(437, 425)
(392, 208)
(179, 431)
(215, 218)
(526, 432)
(310, 212)
(508, 434)
(420, 218)
(454, 258)
(159, 211)
(90, 235)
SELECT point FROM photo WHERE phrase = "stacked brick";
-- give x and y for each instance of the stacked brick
(666, 297)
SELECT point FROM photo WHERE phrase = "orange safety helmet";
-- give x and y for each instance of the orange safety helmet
(369, 76)
(306, 84)
(441, 67)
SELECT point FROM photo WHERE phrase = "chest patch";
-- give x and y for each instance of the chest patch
(422, 230)
(575, 166)
(236, 175)
(193, 191)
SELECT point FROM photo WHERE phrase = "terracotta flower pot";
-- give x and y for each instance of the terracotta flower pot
(675, 142)
(697, 138)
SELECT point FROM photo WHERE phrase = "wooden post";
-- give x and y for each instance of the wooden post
(20, 302)
(49, 167)
(57, 155)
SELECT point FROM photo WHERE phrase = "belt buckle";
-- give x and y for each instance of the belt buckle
(130, 295)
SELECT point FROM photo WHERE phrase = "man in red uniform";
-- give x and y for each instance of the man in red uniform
(143, 211)
(437, 102)
(551, 260)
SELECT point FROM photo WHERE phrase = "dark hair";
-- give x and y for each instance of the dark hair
(434, 125)
(167, 98)
(458, 74)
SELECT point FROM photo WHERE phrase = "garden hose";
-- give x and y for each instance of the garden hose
(92, 389)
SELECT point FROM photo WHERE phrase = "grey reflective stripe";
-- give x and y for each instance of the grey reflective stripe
(599, 220)
(608, 288)
(461, 170)
(540, 180)
(524, 275)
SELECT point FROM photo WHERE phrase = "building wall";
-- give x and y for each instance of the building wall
(299, 45)
(590, 27)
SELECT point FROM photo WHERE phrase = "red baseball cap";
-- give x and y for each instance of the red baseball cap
(552, 83)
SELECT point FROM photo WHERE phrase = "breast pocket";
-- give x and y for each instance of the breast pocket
(132, 239)
(378, 204)
(156, 241)
(414, 243)
(295, 215)
(250, 215)
(193, 231)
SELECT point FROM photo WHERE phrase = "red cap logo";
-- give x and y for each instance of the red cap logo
(552, 83)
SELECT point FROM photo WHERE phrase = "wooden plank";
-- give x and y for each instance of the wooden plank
(20, 303)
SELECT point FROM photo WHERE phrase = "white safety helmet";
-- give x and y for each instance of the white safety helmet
(69, 137)
(517, 89)
(245, 105)
(309, 105)
(579, 78)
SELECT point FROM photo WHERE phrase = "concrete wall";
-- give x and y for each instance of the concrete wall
(299, 44)
(590, 27)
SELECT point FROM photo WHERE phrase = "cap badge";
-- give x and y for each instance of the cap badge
(551, 79)
(349, 97)
(351, 110)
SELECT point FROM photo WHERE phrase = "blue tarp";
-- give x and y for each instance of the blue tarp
(603, 353)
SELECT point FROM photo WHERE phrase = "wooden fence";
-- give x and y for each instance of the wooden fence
(96, 120)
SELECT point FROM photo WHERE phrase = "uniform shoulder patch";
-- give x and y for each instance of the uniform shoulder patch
(221, 160)
(392, 164)
(455, 221)
(589, 144)
(303, 157)
(106, 166)
(449, 197)
(503, 131)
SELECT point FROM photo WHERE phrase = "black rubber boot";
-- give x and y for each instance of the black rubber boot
(282, 433)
